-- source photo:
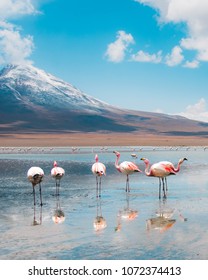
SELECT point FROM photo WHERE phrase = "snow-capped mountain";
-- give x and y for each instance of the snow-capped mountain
(36, 87)
(32, 100)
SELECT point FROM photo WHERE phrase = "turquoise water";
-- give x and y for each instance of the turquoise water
(136, 226)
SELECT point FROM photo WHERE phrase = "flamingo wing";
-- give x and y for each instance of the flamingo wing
(35, 171)
(129, 167)
(161, 170)
(35, 175)
(57, 171)
(169, 167)
(99, 169)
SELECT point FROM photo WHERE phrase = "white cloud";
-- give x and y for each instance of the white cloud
(116, 50)
(175, 58)
(191, 64)
(15, 8)
(197, 111)
(192, 12)
(200, 44)
(14, 48)
(142, 56)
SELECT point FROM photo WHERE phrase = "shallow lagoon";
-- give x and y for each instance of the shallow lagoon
(139, 225)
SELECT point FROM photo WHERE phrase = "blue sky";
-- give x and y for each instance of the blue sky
(149, 55)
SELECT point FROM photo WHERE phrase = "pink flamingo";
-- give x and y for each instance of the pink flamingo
(35, 176)
(57, 173)
(126, 167)
(98, 169)
(161, 170)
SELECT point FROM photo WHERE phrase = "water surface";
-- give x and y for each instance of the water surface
(136, 226)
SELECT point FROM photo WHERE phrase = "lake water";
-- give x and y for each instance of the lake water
(136, 226)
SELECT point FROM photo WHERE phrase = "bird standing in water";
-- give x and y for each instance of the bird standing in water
(98, 169)
(127, 168)
(161, 170)
(57, 173)
(35, 176)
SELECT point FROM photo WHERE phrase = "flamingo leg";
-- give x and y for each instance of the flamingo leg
(34, 216)
(96, 186)
(58, 186)
(164, 190)
(34, 195)
(159, 188)
(41, 202)
(166, 184)
(100, 187)
(127, 184)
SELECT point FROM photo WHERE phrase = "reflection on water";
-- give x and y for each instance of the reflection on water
(126, 213)
(38, 221)
(163, 220)
(58, 214)
(99, 221)
(129, 226)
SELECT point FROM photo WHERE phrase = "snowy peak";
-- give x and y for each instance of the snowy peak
(41, 88)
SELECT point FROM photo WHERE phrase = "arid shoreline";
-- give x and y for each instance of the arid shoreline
(97, 139)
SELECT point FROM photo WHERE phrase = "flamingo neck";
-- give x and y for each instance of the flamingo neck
(116, 162)
(96, 158)
(55, 164)
(147, 166)
(178, 166)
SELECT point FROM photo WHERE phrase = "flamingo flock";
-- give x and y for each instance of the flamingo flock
(161, 170)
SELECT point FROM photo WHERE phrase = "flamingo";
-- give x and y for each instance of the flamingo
(57, 173)
(126, 167)
(161, 170)
(35, 176)
(98, 169)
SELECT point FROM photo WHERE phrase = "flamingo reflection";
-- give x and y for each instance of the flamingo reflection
(35, 221)
(126, 214)
(99, 222)
(58, 215)
(164, 218)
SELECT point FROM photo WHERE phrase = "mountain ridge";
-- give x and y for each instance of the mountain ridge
(34, 100)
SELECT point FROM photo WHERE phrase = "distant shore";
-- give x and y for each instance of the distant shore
(97, 139)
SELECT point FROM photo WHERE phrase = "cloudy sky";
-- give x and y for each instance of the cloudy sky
(149, 55)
